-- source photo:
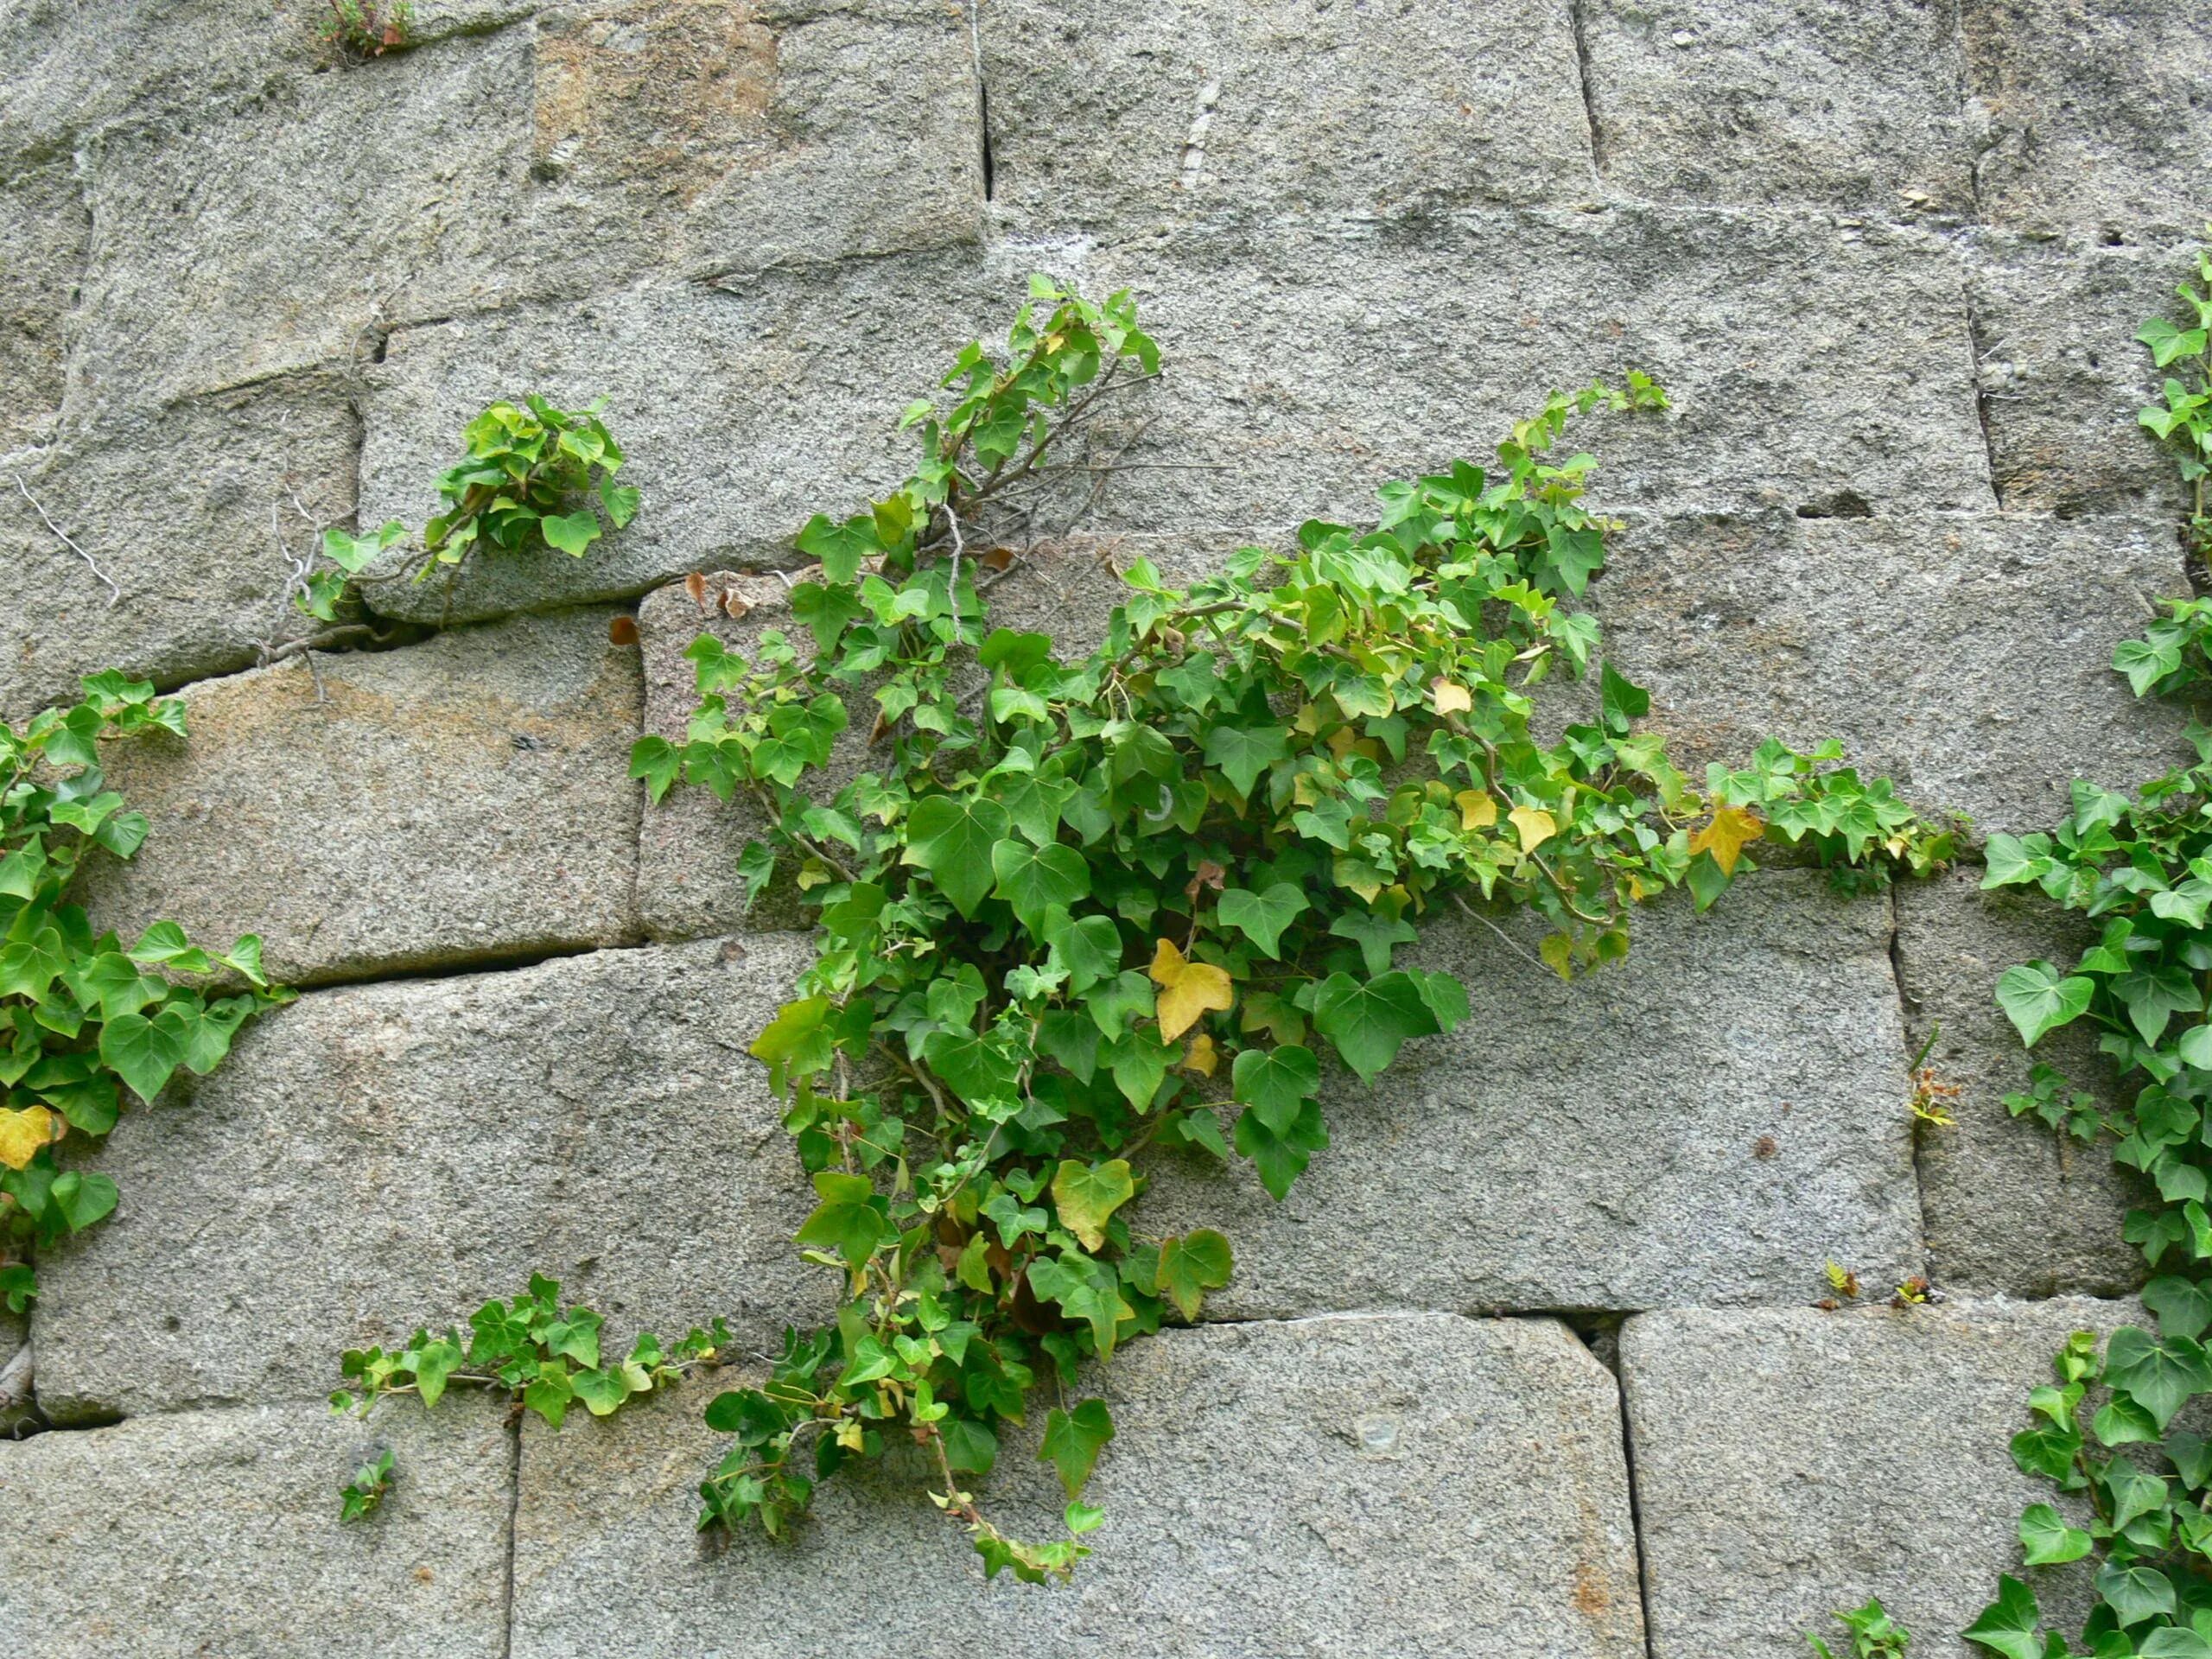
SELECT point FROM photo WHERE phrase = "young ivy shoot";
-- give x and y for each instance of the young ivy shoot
(1070, 910)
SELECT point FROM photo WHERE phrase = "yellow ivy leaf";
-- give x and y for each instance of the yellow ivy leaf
(1199, 1056)
(1477, 810)
(1558, 952)
(1187, 989)
(21, 1134)
(1732, 827)
(1534, 825)
(1450, 699)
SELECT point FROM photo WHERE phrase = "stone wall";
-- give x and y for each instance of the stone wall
(1563, 1395)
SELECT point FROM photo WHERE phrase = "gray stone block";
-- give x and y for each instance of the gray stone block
(713, 136)
(1790, 1462)
(1395, 1484)
(1807, 357)
(272, 231)
(2061, 375)
(2011, 1207)
(217, 1532)
(376, 1158)
(1765, 101)
(1109, 121)
(2098, 113)
(745, 409)
(182, 509)
(301, 219)
(1304, 368)
(689, 843)
(1967, 657)
(460, 801)
(44, 233)
(1708, 1122)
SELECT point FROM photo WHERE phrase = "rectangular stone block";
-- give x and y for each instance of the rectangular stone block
(1967, 657)
(292, 222)
(689, 844)
(182, 509)
(1111, 121)
(1810, 363)
(2010, 1206)
(1809, 359)
(1768, 101)
(281, 228)
(712, 135)
(463, 800)
(744, 409)
(217, 1532)
(2061, 375)
(376, 1158)
(1790, 1462)
(1709, 1120)
(1379, 1484)
(2096, 110)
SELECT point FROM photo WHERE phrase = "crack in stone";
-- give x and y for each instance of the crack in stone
(1588, 82)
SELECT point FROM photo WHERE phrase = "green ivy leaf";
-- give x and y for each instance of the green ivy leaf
(2008, 1625)
(2047, 1540)
(1276, 1083)
(1030, 878)
(2037, 999)
(847, 1220)
(145, 1053)
(1262, 917)
(1242, 753)
(1190, 1265)
(952, 837)
(1073, 1441)
(1370, 1021)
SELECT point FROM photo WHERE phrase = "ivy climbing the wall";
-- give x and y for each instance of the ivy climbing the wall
(1072, 910)
(86, 1020)
(2110, 1432)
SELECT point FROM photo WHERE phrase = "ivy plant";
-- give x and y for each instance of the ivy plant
(1075, 910)
(2112, 1435)
(533, 476)
(1873, 1633)
(88, 1022)
(2183, 417)
(544, 1358)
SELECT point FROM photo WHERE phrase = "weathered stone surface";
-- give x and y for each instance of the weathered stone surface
(1790, 1462)
(44, 230)
(688, 884)
(1765, 101)
(217, 1532)
(1807, 357)
(2011, 1207)
(71, 68)
(1967, 657)
(306, 216)
(376, 1158)
(726, 135)
(1400, 1484)
(1708, 1122)
(463, 800)
(2062, 376)
(2100, 111)
(1303, 370)
(183, 509)
(14, 1372)
(1111, 121)
(745, 409)
(291, 221)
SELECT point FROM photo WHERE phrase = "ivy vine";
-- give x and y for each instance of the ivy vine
(1075, 910)
(86, 1020)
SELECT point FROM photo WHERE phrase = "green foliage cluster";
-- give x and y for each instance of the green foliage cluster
(546, 1359)
(83, 1017)
(2183, 419)
(1074, 910)
(533, 474)
(1873, 1633)
(369, 29)
(2109, 1432)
